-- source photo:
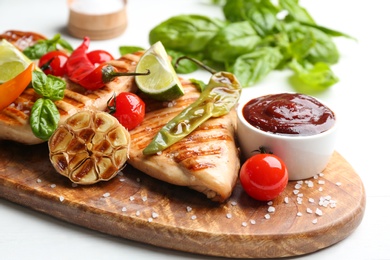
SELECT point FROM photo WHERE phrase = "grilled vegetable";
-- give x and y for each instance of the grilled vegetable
(90, 147)
(217, 99)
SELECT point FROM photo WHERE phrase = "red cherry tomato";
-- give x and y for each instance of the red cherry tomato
(99, 56)
(128, 108)
(54, 63)
(264, 176)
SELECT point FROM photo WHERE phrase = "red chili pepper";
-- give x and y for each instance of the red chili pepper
(83, 72)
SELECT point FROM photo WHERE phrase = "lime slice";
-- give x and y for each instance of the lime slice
(12, 61)
(162, 83)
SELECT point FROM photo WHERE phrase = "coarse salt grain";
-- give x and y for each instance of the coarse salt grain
(53, 185)
(299, 214)
(137, 213)
(189, 209)
(74, 185)
(154, 215)
(124, 209)
(311, 200)
(252, 221)
(318, 212)
(321, 182)
(233, 203)
(39, 180)
(286, 200)
(338, 183)
(267, 216)
(308, 210)
(228, 215)
(315, 221)
(131, 198)
(269, 203)
(271, 209)
(144, 198)
(61, 198)
(193, 217)
(121, 179)
(244, 224)
(106, 195)
(150, 219)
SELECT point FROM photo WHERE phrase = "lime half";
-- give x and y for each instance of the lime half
(12, 61)
(162, 83)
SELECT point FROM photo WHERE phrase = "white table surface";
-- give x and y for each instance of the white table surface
(360, 99)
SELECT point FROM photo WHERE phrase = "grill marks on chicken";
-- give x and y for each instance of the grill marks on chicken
(14, 120)
(206, 160)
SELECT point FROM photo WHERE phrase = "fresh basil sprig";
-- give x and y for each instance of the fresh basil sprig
(44, 115)
(257, 37)
(42, 47)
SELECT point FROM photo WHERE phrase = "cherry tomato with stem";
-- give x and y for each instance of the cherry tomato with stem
(128, 108)
(98, 57)
(54, 63)
(264, 176)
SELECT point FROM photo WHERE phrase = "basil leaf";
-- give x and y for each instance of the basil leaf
(317, 77)
(56, 91)
(324, 50)
(262, 14)
(186, 33)
(42, 47)
(301, 47)
(328, 31)
(185, 66)
(253, 67)
(233, 41)
(295, 11)
(48, 86)
(44, 118)
(66, 45)
(39, 82)
(129, 49)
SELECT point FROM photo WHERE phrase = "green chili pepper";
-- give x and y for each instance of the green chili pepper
(219, 96)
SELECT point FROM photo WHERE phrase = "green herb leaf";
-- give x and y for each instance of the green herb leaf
(261, 14)
(253, 67)
(129, 49)
(233, 41)
(185, 66)
(42, 47)
(296, 11)
(48, 86)
(44, 118)
(186, 33)
(317, 77)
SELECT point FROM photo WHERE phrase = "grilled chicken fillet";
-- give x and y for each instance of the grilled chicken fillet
(206, 160)
(14, 120)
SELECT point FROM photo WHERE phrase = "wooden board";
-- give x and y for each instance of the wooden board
(137, 207)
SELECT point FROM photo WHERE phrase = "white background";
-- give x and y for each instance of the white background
(360, 99)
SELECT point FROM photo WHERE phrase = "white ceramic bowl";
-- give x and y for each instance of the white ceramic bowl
(304, 156)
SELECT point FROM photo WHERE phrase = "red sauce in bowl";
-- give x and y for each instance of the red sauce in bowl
(289, 114)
